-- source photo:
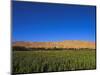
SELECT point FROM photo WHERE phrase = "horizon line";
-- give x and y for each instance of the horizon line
(54, 41)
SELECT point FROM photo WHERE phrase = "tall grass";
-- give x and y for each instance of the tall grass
(49, 61)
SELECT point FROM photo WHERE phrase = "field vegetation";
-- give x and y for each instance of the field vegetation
(36, 61)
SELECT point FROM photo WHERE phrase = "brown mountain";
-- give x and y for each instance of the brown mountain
(62, 44)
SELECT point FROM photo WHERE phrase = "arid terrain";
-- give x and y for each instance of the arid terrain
(61, 44)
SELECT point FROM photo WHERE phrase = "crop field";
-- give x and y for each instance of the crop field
(52, 61)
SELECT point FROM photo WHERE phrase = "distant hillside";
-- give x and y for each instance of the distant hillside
(63, 44)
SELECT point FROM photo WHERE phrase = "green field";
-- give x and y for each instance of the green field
(55, 60)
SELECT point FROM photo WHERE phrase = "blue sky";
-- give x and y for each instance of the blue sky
(32, 21)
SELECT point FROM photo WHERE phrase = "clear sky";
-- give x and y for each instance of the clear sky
(33, 21)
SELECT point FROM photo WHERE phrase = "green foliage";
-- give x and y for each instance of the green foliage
(20, 48)
(47, 61)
